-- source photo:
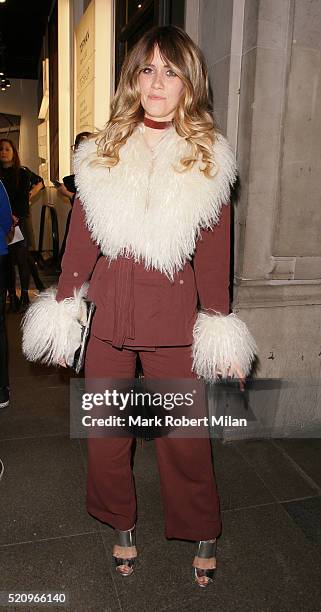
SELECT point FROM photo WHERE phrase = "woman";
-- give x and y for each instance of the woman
(5, 226)
(153, 199)
(18, 183)
(36, 184)
(68, 189)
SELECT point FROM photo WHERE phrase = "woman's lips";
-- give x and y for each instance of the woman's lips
(156, 98)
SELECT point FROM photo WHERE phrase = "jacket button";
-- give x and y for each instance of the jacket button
(181, 282)
(75, 274)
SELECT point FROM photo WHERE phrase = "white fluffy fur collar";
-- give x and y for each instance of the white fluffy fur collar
(143, 208)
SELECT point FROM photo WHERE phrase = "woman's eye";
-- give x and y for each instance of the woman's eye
(171, 73)
(147, 71)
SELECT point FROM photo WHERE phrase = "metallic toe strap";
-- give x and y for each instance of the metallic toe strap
(126, 562)
(206, 549)
(200, 573)
(126, 538)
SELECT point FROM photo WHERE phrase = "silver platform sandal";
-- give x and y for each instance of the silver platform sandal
(206, 549)
(124, 566)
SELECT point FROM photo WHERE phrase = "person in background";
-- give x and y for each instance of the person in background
(6, 222)
(16, 180)
(36, 185)
(68, 189)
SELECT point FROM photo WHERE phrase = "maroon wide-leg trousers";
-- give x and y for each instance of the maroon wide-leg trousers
(188, 486)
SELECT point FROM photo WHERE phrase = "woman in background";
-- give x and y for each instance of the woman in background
(16, 180)
(5, 226)
(68, 189)
(36, 184)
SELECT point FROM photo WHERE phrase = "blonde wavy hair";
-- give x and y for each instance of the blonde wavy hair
(193, 119)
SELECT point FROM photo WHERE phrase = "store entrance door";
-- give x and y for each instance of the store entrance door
(134, 17)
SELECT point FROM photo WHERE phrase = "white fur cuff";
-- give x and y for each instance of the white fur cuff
(52, 330)
(220, 341)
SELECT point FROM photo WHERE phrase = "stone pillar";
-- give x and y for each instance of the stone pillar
(272, 49)
(278, 255)
(215, 33)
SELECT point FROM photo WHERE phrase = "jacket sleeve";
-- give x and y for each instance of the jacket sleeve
(53, 323)
(80, 256)
(220, 338)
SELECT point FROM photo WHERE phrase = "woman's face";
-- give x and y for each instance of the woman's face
(6, 152)
(160, 89)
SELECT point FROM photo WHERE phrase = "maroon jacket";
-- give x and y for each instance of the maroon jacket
(136, 307)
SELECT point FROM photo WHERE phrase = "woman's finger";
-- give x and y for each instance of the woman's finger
(234, 371)
(241, 377)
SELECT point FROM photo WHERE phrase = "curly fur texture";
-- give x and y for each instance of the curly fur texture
(219, 341)
(144, 208)
(52, 330)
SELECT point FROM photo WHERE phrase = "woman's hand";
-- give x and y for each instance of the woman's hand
(234, 371)
(62, 363)
(15, 220)
(65, 192)
(35, 189)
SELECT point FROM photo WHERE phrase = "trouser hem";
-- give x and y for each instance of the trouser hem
(110, 519)
(195, 535)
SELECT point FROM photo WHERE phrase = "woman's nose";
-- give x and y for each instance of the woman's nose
(158, 81)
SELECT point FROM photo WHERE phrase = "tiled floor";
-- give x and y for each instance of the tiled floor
(269, 555)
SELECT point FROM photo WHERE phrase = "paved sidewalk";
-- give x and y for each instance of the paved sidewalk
(269, 556)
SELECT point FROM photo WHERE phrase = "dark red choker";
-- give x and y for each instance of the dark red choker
(157, 125)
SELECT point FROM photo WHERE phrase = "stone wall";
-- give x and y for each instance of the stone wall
(272, 49)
